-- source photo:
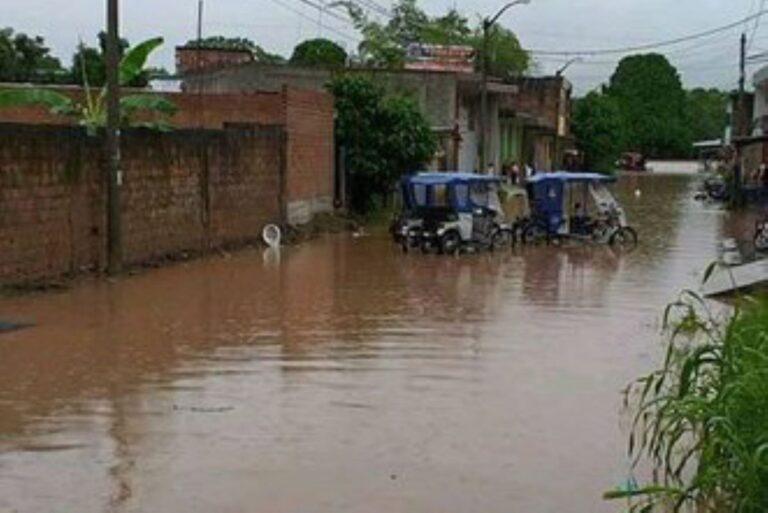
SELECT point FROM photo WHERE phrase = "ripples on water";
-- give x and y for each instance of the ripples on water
(346, 376)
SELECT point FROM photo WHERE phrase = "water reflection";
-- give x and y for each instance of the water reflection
(342, 375)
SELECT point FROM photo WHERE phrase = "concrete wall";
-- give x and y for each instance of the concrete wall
(434, 91)
(258, 77)
(184, 191)
(192, 60)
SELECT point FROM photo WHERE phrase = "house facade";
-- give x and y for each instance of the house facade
(528, 119)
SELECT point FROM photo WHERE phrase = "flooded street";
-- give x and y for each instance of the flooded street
(344, 376)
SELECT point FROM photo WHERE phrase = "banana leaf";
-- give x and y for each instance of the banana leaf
(135, 59)
(56, 102)
(129, 105)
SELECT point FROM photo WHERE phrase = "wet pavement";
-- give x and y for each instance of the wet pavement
(343, 376)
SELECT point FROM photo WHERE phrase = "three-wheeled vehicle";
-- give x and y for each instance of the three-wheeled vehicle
(576, 206)
(451, 211)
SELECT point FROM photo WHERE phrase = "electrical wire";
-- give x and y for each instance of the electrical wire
(650, 46)
(322, 9)
(372, 5)
(301, 14)
(756, 26)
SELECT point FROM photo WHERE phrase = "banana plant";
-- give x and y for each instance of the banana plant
(91, 112)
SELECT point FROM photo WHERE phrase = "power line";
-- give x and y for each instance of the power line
(372, 5)
(756, 26)
(301, 14)
(649, 46)
(323, 10)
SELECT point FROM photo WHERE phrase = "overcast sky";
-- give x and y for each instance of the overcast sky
(278, 25)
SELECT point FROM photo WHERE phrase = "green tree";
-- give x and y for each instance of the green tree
(707, 113)
(319, 52)
(152, 110)
(653, 105)
(237, 43)
(385, 45)
(27, 59)
(505, 55)
(599, 130)
(88, 66)
(384, 137)
(449, 29)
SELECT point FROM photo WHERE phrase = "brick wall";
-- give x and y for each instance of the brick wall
(182, 191)
(310, 154)
(194, 110)
(307, 117)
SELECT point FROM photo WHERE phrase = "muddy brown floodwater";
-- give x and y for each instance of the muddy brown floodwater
(344, 376)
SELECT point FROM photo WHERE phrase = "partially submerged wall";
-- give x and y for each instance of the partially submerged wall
(183, 191)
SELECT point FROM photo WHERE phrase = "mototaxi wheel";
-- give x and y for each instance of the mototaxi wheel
(761, 240)
(624, 238)
(535, 233)
(502, 238)
(450, 242)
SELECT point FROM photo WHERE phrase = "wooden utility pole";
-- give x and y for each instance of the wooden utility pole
(114, 178)
(742, 124)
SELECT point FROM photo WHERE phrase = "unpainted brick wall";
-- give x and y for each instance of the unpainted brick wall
(306, 115)
(194, 110)
(310, 152)
(182, 191)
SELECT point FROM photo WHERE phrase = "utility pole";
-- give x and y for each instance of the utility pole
(484, 125)
(742, 123)
(114, 178)
(742, 82)
(484, 96)
(199, 63)
(199, 22)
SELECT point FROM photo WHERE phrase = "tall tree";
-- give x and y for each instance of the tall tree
(707, 113)
(653, 104)
(599, 130)
(505, 55)
(449, 29)
(385, 45)
(26, 59)
(319, 52)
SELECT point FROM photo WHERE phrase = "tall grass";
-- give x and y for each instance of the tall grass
(701, 420)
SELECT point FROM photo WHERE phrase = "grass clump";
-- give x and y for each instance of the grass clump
(701, 420)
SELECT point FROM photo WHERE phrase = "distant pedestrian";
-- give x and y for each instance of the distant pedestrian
(764, 176)
(514, 173)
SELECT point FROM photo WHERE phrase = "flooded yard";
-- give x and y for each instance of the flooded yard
(345, 376)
